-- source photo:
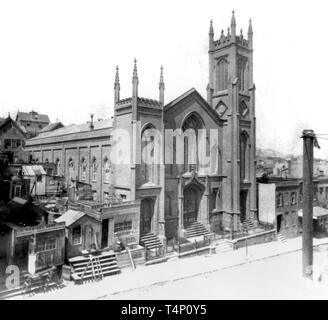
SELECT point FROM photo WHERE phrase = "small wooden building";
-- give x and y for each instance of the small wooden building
(27, 239)
(320, 220)
(83, 232)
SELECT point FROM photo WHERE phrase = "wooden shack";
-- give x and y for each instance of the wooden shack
(83, 232)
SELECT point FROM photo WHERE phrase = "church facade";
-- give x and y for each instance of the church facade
(190, 163)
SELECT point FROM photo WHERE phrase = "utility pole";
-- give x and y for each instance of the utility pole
(307, 220)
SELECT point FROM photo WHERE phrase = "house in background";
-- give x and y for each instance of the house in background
(32, 121)
(320, 220)
(279, 202)
(27, 239)
(12, 140)
(37, 176)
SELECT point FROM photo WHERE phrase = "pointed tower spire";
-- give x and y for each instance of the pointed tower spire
(250, 34)
(116, 87)
(135, 71)
(250, 27)
(161, 88)
(135, 82)
(211, 35)
(233, 26)
(233, 19)
(211, 32)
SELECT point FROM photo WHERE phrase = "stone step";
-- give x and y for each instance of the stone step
(196, 229)
(150, 240)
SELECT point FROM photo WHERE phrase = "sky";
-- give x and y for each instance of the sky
(59, 58)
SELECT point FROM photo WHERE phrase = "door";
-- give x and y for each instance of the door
(279, 219)
(190, 205)
(146, 215)
(243, 204)
(88, 238)
(104, 233)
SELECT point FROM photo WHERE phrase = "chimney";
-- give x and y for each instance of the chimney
(91, 126)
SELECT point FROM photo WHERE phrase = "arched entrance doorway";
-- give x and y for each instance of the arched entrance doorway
(146, 215)
(191, 200)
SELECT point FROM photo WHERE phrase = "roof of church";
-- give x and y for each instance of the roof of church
(145, 102)
(52, 126)
(183, 96)
(209, 109)
(75, 128)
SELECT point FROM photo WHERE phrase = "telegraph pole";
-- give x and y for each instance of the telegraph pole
(307, 219)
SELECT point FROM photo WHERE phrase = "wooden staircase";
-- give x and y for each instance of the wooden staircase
(94, 267)
(196, 229)
(149, 240)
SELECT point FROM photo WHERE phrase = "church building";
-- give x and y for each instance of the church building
(213, 188)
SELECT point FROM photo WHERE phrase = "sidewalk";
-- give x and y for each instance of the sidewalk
(145, 276)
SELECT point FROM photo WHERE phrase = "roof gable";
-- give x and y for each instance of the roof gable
(72, 216)
(32, 116)
(7, 120)
(193, 93)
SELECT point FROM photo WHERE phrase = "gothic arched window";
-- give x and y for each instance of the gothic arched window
(191, 127)
(71, 173)
(168, 205)
(222, 75)
(84, 169)
(58, 169)
(244, 156)
(148, 154)
(242, 71)
(94, 169)
(107, 170)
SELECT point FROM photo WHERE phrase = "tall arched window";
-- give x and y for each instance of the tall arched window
(244, 156)
(84, 169)
(168, 205)
(71, 174)
(191, 127)
(94, 169)
(242, 73)
(58, 168)
(107, 170)
(222, 75)
(148, 154)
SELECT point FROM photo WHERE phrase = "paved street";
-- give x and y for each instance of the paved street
(269, 271)
(273, 278)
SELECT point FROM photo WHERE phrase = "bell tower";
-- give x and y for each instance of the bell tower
(231, 93)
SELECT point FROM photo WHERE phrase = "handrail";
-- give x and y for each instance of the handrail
(131, 258)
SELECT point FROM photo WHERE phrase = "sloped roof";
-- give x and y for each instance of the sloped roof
(75, 128)
(205, 105)
(181, 97)
(33, 170)
(52, 126)
(3, 121)
(32, 116)
(21, 212)
(70, 216)
(317, 212)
